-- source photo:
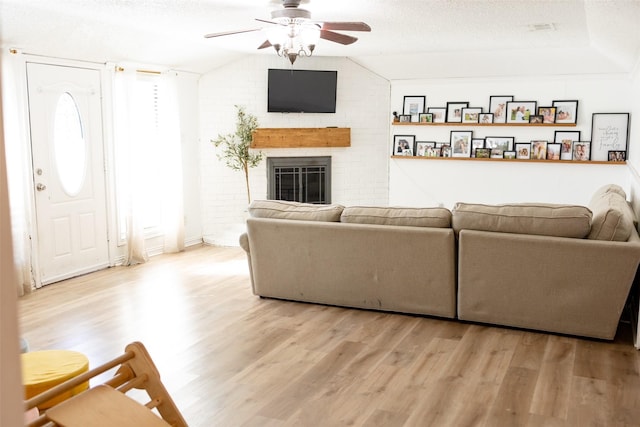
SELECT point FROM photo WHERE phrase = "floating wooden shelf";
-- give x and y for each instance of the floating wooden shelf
(301, 137)
(485, 124)
(475, 159)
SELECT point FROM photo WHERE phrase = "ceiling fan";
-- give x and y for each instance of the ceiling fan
(292, 33)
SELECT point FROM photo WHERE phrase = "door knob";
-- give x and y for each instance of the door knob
(40, 186)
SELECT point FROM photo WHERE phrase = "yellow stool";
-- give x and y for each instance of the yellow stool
(42, 370)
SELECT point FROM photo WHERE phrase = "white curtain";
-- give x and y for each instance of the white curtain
(132, 180)
(18, 155)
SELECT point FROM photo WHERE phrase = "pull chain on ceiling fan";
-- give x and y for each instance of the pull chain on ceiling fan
(292, 33)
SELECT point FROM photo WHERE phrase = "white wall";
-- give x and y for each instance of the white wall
(634, 154)
(360, 172)
(422, 182)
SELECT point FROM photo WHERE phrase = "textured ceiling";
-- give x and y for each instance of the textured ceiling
(409, 38)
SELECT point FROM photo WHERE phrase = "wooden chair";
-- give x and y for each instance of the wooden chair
(106, 404)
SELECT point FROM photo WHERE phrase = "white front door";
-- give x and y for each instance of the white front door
(69, 171)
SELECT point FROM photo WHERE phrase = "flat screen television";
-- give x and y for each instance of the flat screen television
(301, 91)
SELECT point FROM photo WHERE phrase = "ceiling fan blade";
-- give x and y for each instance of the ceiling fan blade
(337, 37)
(228, 33)
(266, 43)
(268, 22)
(346, 26)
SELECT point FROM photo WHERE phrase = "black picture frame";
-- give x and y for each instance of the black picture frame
(485, 118)
(460, 142)
(617, 156)
(413, 105)
(581, 151)
(566, 111)
(420, 148)
(519, 111)
(536, 119)
(609, 132)
(483, 153)
(523, 150)
(539, 149)
(566, 138)
(554, 150)
(498, 107)
(439, 114)
(405, 118)
(471, 115)
(498, 145)
(454, 111)
(476, 143)
(548, 114)
(403, 145)
(425, 118)
(509, 154)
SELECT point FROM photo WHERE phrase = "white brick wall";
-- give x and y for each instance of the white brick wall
(360, 172)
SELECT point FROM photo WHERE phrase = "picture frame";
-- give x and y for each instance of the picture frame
(536, 120)
(471, 115)
(553, 150)
(539, 149)
(420, 148)
(519, 111)
(425, 118)
(445, 151)
(581, 151)
(460, 143)
(485, 118)
(439, 114)
(403, 145)
(498, 145)
(617, 156)
(523, 150)
(483, 153)
(548, 114)
(414, 105)
(609, 132)
(566, 111)
(566, 139)
(454, 111)
(475, 144)
(405, 118)
(498, 107)
(509, 154)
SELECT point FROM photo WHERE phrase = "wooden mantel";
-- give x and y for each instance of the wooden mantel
(301, 137)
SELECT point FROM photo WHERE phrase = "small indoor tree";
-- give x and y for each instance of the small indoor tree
(236, 147)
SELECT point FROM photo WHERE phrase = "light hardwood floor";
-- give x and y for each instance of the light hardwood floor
(230, 358)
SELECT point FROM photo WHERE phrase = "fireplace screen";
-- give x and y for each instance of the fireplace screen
(299, 179)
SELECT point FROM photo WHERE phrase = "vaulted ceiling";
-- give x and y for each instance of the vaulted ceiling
(409, 38)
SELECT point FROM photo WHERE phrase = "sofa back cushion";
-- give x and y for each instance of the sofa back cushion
(281, 209)
(413, 217)
(613, 218)
(524, 218)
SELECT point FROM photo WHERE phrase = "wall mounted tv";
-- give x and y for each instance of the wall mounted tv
(301, 91)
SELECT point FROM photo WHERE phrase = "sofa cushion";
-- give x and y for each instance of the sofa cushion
(524, 218)
(280, 209)
(413, 217)
(613, 218)
(607, 189)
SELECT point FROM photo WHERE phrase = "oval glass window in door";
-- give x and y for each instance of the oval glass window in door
(69, 145)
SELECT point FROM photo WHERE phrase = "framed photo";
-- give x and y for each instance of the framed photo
(523, 150)
(553, 151)
(539, 150)
(566, 139)
(485, 118)
(439, 114)
(405, 118)
(475, 144)
(581, 150)
(548, 114)
(536, 119)
(498, 145)
(425, 118)
(609, 132)
(483, 153)
(445, 151)
(498, 107)
(454, 111)
(617, 156)
(403, 145)
(509, 154)
(413, 106)
(520, 111)
(471, 115)
(566, 111)
(460, 142)
(421, 147)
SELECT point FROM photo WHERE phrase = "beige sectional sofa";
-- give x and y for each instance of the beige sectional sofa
(556, 268)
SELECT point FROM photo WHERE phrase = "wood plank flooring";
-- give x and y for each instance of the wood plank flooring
(230, 358)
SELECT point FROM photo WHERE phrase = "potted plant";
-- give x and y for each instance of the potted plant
(236, 147)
